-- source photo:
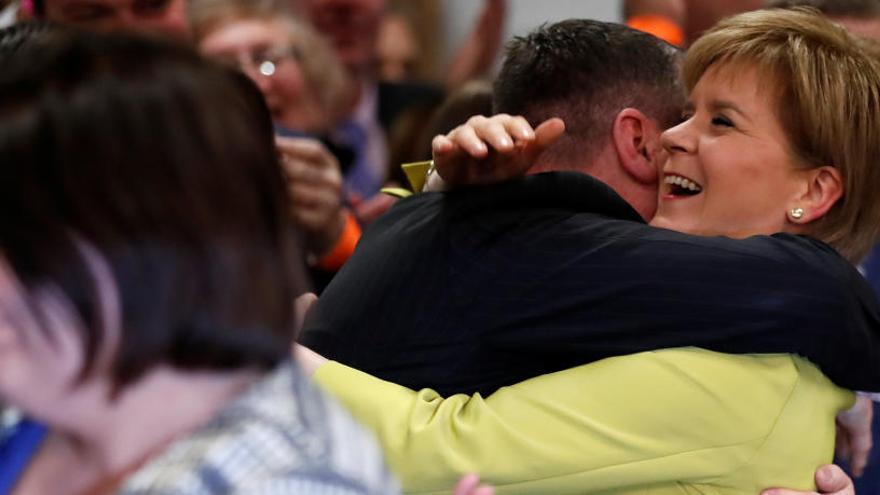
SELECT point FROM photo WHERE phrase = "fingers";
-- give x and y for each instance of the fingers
(492, 149)
(520, 129)
(307, 160)
(307, 149)
(783, 491)
(860, 450)
(314, 186)
(854, 439)
(300, 170)
(318, 212)
(466, 138)
(307, 195)
(495, 134)
(321, 226)
(466, 484)
(442, 146)
(301, 307)
(500, 133)
(831, 479)
(304, 303)
(450, 160)
(470, 485)
(546, 135)
(484, 490)
(549, 131)
(841, 443)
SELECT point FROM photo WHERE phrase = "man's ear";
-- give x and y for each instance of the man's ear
(823, 187)
(637, 141)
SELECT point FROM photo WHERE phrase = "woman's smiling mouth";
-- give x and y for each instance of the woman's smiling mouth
(678, 186)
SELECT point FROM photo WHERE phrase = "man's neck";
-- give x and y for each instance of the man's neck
(606, 168)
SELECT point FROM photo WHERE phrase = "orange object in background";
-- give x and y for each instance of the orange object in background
(660, 26)
(344, 247)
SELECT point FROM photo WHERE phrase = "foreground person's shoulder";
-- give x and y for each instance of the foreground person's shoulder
(281, 436)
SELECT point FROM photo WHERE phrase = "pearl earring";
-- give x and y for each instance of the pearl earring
(797, 213)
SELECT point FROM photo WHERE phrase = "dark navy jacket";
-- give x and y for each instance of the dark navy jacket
(475, 289)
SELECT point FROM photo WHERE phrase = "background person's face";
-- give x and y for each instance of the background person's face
(730, 169)
(161, 17)
(245, 43)
(39, 358)
(352, 26)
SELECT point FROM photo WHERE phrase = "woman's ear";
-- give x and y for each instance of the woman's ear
(823, 188)
(637, 142)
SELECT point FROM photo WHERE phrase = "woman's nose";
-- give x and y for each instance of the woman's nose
(679, 139)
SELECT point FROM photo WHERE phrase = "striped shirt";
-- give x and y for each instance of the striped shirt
(283, 436)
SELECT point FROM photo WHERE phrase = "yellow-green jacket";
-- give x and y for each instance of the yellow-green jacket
(672, 422)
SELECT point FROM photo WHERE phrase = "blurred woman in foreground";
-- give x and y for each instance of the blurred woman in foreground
(146, 280)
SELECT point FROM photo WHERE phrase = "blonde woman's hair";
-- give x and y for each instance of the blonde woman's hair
(324, 74)
(828, 99)
(833, 8)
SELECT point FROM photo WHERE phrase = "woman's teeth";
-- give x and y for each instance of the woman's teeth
(681, 185)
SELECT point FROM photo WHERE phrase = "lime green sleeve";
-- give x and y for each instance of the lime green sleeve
(665, 419)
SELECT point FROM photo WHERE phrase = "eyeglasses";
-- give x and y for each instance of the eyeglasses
(264, 62)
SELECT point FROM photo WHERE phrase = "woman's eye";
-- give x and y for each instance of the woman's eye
(722, 121)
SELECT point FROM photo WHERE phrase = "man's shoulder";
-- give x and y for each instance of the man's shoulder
(562, 194)
(575, 208)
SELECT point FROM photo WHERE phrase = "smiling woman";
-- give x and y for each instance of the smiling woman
(296, 70)
(731, 169)
(776, 135)
(779, 137)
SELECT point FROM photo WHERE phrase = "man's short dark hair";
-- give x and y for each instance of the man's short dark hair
(164, 164)
(585, 72)
(833, 8)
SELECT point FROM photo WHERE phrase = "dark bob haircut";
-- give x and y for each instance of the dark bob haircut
(163, 163)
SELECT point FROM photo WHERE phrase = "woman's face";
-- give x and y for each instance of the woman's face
(41, 351)
(39, 358)
(249, 44)
(730, 169)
